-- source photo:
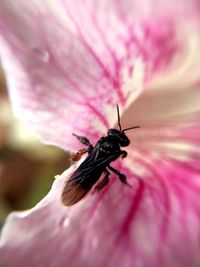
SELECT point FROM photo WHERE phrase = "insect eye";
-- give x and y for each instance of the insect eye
(125, 142)
(111, 132)
(114, 133)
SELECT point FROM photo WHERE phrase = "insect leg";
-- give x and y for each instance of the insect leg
(122, 177)
(78, 155)
(102, 183)
(124, 154)
(84, 141)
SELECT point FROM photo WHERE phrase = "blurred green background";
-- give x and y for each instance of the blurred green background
(27, 167)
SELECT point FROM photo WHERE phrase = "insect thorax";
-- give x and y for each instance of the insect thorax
(110, 146)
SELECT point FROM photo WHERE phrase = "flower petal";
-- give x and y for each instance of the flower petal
(155, 222)
(66, 72)
(168, 117)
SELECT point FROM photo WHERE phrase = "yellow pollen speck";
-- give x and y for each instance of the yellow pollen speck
(57, 176)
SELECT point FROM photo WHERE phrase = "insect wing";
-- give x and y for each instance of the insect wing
(82, 180)
(74, 191)
(79, 183)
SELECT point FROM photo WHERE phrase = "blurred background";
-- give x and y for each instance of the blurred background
(27, 167)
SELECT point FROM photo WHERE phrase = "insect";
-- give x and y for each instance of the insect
(106, 150)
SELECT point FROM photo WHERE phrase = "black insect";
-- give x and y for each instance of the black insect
(106, 150)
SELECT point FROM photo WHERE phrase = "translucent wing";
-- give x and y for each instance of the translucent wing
(74, 189)
(82, 180)
(87, 174)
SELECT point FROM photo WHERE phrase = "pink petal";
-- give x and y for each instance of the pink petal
(155, 223)
(66, 72)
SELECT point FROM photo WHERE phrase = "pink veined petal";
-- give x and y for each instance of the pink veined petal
(170, 124)
(156, 222)
(153, 223)
(66, 72)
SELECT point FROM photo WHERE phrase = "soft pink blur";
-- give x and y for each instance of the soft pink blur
(67, 65)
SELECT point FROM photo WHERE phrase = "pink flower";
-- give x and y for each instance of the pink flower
(67, 65)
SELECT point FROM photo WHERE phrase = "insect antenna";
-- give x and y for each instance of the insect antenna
(118, 117)
(130, 128)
